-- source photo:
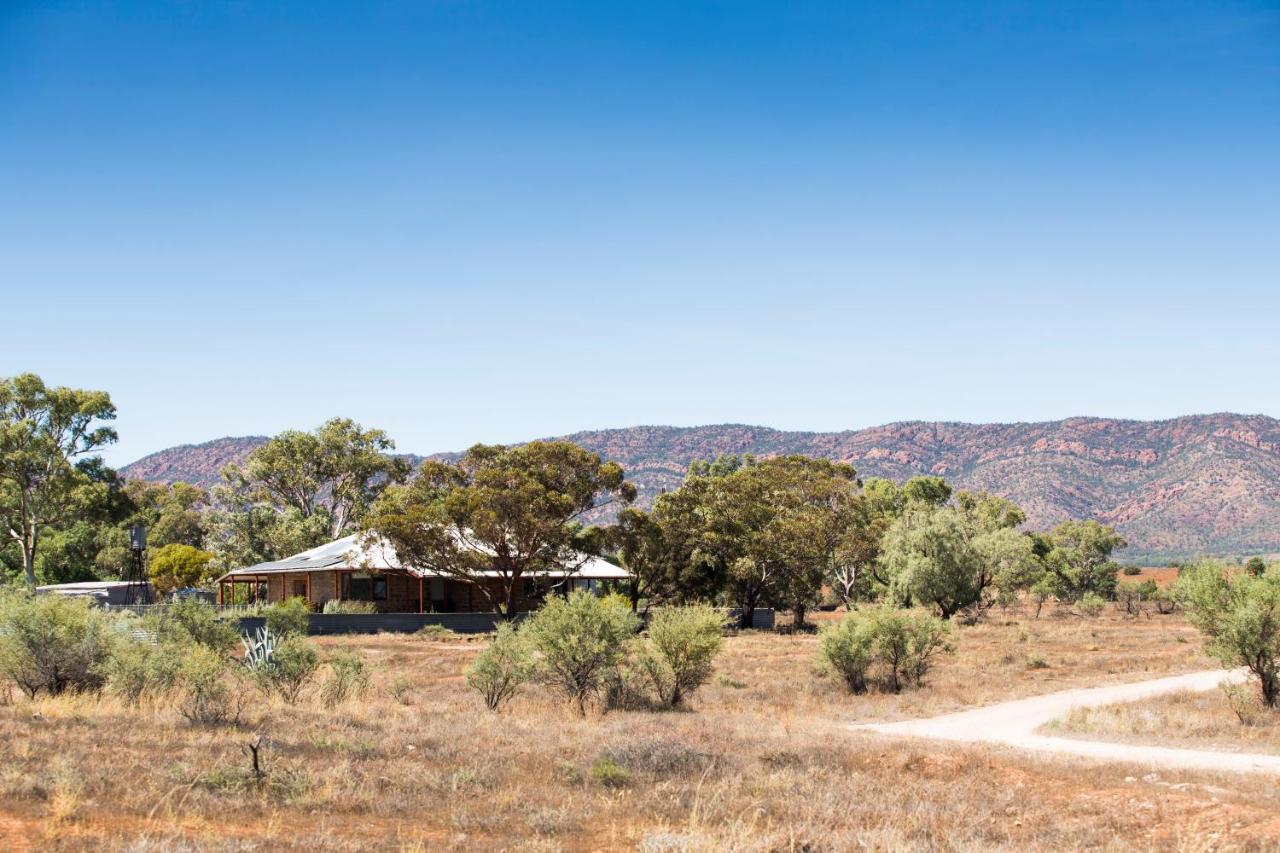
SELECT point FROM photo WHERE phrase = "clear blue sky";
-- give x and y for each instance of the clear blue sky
(466, 221)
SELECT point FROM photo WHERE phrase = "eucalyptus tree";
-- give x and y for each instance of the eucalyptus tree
(502, 516)
(301, 489)
(48, 437)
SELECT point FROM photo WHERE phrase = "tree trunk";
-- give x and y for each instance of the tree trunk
(508, 609)
(798, 612)
(747, 619)
(29, 560)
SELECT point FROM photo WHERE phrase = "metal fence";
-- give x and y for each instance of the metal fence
(402, 623)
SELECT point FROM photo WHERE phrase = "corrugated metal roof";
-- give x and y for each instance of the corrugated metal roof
(363, 553)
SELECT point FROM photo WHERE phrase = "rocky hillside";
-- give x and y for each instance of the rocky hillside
(1199, 484)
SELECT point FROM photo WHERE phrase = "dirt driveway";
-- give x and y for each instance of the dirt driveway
(1015, 724)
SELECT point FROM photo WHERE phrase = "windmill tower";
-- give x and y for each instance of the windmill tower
(138, 591)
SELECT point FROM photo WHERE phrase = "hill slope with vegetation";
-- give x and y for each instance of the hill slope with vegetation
(1197, 484)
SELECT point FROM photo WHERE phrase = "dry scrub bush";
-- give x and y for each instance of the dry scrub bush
(289, 670)
(901, 644)
(139, 669)
(52, 644)
(190, 621)
(334, 605)
(348, 679)
(498, 672)
(291, 617)
(210, 692)
(580, 641)
(676, 658)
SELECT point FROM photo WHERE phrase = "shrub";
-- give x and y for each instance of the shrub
(284, 667)
(53, 644)
(901, 644)
(846, 649)
(1239, 613)
(609, 773)
(905, 643)
(208, 694)
(289, 617)
(677, 656)
(1255, 566)
(348, 679)
(334, 605)
(191, 621)
(499, 670)
(138, 669)
(1092, 605)
(435, 632)
(580, 640)
(1131, 570)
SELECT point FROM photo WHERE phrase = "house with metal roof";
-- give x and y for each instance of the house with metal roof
(364, 567)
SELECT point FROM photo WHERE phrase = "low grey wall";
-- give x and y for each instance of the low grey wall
(402, 623)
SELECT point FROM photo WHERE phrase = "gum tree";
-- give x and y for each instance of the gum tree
(48, 436)
(501, 516)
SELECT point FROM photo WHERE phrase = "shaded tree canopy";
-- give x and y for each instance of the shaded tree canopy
(514, 512)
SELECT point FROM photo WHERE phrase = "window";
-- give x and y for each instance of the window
(299, 589)
(365, 588)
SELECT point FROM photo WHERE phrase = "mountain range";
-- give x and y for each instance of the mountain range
(1202, 484)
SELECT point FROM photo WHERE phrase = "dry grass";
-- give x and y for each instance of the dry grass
(1203, 720)
(760, 762)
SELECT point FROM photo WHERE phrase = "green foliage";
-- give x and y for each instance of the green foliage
(139, 669)
(1131, 571)
(610, 773)
(301, 489)
(189, 621)
(46, 472)
(580, 640)
(901, 644)
(929, 559)
(846, 649)
(173, 567)
(50, 644)
(209, 689)
(286, 668)
(763, 532)
(289, 617)
(678, 653)
(348, 679)
(498, 672)
(1255, 566)
(1079, 561)
(1091, 604)
(1239, 614)
(512, 511)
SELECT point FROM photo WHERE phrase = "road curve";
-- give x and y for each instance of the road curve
(1015, 723)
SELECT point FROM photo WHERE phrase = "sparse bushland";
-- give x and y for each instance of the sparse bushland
(1239, 614)
(762, 761)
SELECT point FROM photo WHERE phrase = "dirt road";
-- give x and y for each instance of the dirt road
(1015, 723)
